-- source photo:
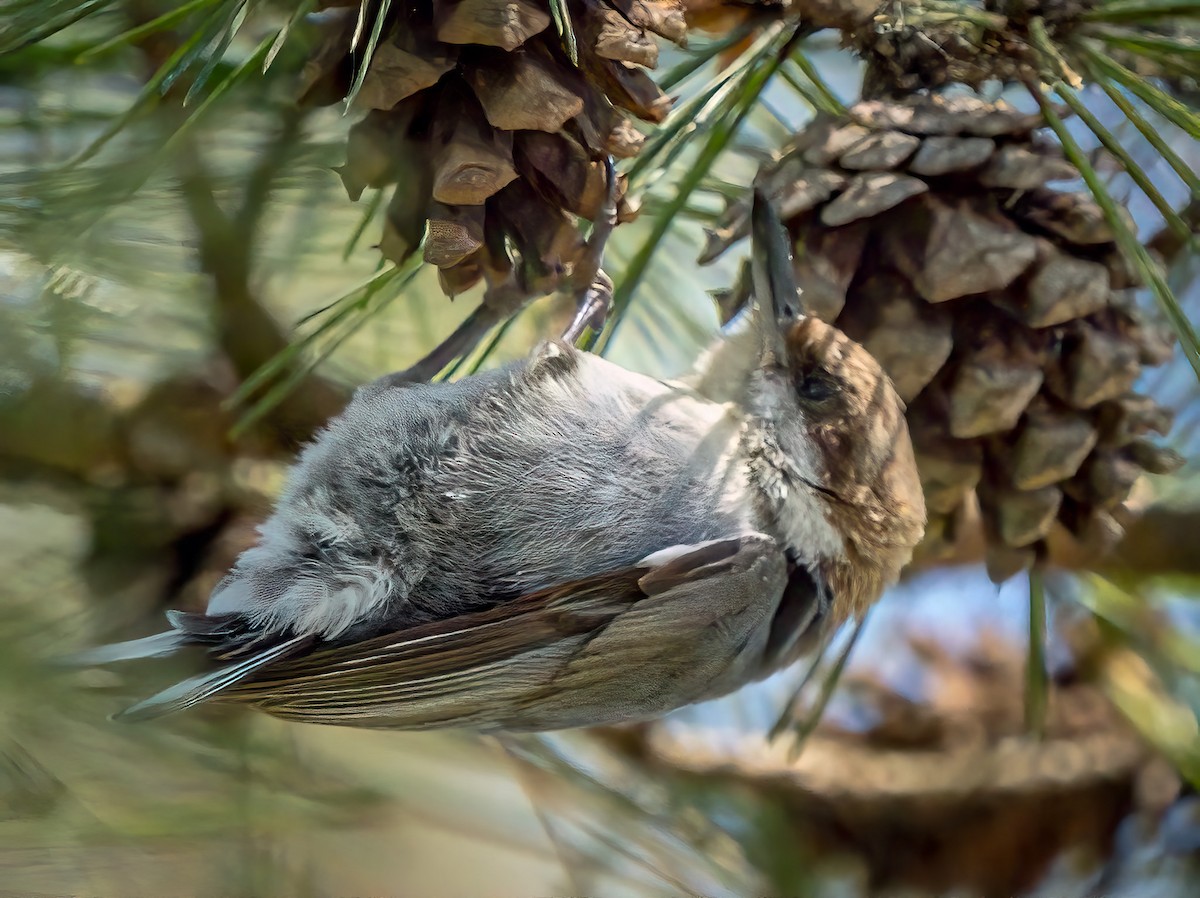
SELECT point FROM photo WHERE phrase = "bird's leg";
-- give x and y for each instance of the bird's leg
(503, 299)
(464, 339)
(592, 309)
(592, 287)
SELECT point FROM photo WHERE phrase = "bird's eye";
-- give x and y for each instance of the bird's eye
(815, 386)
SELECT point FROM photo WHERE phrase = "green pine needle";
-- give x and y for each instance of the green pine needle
(209, 36)
(336, 311)
(153, 89)
(334, 314)
(1142, 10)
(1157, 99)
(743, 96)
(1179, 56)
(1135, 171)
(1126, 238)
(251, 65)
(785, 720)
(718, 139)
(669, 140)
(807, 725)
(1184, 47)
(1152, 136)
(133, 35)
(213, 35)
(701, 56)
(1147, 672)
(711, 102)
(829, 99)
(281, 38)
(1037, 683)
(566, 29)
(31, 21)
(229, 30)
(491, 347)
(368, 51)
(807, 92)
(373, 207)
(345, 316)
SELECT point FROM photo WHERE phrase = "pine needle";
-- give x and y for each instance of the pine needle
(1152, 136)
(343, 317)
(1126, 238)
(284, 32)
(237, 17)
(566, 29)
(787, 715)
(701, 56)
(211, 33)
(483, 356)
(1163, 719)
(368, 51)
(336, 310)
(669, 140)
(1135, 171)
(1154, 97)
(31, 21)
(1037, 683)
(804, 89)
(689, 118)
(373, 207)
(226, 84)
(828, 98)
(1185, 50)
(163, 22)
(807, 725)
(720, 134)
(1141, 10)
(158, 84)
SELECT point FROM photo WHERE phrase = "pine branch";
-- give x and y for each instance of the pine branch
(246, 332)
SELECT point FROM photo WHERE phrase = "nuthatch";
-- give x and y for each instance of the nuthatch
(561, 542)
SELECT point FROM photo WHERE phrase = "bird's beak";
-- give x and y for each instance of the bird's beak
(773, 279)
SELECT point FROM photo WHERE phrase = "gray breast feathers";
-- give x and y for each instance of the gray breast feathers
(427, 501)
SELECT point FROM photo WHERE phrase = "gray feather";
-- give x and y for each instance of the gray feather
(546, 662)
(204, 686)
(160, 645)
(429, 501)
(398, 580)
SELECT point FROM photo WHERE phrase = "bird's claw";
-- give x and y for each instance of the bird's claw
(592, 287)
(593, 308)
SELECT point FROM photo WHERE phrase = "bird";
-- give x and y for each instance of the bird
(561, 542)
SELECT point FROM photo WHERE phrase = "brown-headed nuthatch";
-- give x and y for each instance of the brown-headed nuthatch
(561, 542)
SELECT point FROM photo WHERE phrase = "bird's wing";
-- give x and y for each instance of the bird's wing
(618, 645)
(205, 686)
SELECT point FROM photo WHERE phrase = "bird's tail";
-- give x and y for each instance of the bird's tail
(160, 645)
(227, 637)
(205, 686)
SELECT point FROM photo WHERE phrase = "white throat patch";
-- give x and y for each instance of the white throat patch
(799, 512)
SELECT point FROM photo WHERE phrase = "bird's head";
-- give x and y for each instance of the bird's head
(839, 423)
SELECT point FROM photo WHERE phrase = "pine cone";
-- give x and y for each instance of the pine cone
(487, 129)
(1000, 307)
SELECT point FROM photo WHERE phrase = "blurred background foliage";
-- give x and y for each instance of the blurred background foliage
(186, 294)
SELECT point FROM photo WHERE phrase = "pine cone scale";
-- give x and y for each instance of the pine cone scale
(928, 231)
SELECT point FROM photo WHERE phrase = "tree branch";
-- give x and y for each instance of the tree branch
(245, 331)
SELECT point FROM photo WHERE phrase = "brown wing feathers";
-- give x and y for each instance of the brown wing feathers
(441, 658)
